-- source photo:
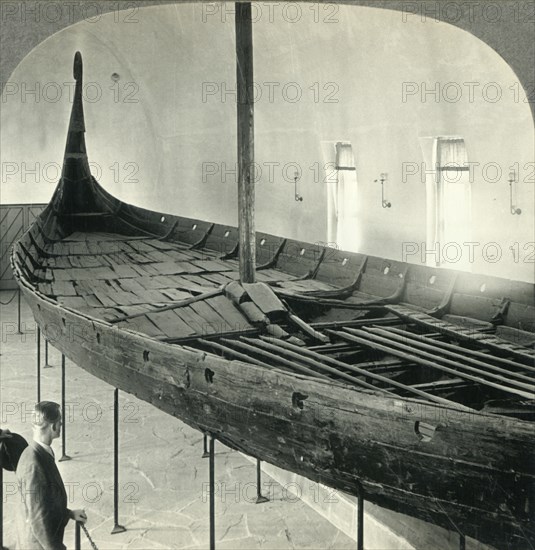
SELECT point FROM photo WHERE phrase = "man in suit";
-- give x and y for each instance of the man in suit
(44, 513)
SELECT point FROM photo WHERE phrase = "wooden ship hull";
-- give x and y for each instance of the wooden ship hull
(412, 386)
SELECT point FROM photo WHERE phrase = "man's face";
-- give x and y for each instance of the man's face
(56, 428)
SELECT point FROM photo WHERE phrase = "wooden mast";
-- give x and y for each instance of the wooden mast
(246, 190)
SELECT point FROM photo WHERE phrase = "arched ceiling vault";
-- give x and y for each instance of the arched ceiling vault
(507, 27)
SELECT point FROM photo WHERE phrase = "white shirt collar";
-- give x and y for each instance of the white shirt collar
(47, 448)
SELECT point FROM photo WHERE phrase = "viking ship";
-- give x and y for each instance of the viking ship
(408, 384)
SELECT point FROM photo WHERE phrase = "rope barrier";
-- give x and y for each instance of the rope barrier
(84, 529)
(10, 300)
(91, 542)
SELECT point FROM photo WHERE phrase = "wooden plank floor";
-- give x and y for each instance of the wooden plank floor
(110, 276)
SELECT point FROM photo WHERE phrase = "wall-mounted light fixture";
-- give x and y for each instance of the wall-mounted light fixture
(512, 179)
(297, 196)
(382, 178)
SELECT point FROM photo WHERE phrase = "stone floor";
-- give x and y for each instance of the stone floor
(163, 477)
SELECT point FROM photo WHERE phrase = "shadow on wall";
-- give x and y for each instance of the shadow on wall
(161, 131)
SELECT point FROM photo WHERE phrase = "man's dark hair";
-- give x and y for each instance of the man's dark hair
(46, 412)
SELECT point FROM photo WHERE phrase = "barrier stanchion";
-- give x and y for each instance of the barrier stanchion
(1, 507)
(116, 527)
(64, 455)
(47, 365)
(38, 363)
(260, 498)
(212, 492)
(360, 519)
(205, 453)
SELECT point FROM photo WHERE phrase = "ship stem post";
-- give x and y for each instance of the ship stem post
(245, 112)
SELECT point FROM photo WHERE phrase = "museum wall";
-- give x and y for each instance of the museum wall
(161, 132)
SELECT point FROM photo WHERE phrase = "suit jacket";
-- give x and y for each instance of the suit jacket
(43, 512)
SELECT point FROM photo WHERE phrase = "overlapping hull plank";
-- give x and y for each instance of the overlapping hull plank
(414, 385)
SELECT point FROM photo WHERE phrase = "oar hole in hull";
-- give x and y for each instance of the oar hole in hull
(145, 356)
(187, 379)
(424, 431)
(98, 338)
(297, 399)
(209, 375)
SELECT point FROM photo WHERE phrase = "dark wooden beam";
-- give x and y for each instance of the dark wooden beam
(357, 322)
(304, 353)
(274, 359)
(233, 353)
(409, 354)
(467, 352)
(246, 190)
(459, 355)
(280, 350)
